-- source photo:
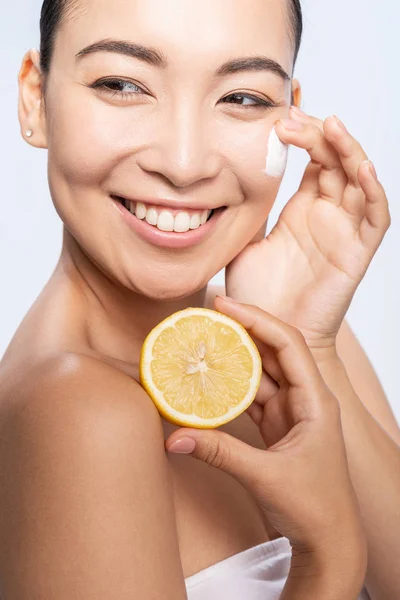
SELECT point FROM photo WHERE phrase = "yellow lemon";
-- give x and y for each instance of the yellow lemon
(200, 368)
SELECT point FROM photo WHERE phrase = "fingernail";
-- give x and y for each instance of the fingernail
(340, 124)
(227, 298)
(292, 125)
(372, 169)
(184, 445)
(298, 112)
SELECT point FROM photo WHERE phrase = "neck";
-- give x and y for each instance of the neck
(116, 319)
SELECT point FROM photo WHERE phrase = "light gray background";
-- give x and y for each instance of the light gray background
(348, 66)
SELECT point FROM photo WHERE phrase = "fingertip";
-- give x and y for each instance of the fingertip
(291, 125)
(369, 168)
(368, 179)
(330, 119)
(281, 131)
(297, 114)
(329, 122)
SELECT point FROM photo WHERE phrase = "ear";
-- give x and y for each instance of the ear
(31, 113)
(296, 93)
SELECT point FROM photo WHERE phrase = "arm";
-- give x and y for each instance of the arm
(365, 381)
(318, 583)
(86, 496)
(370, 433)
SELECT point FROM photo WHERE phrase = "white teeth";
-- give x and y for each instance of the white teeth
(204, 216)
(182, 222)
(165, 221)
(195, 221)
(140, 210)
(152, 216)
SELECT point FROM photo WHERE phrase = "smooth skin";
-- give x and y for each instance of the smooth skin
(90, 501)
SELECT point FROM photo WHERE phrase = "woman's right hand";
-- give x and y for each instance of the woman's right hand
(302, 481)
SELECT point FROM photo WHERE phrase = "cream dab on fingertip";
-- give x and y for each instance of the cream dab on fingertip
(277, 156)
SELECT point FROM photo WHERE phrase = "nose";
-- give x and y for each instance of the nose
(184, 151)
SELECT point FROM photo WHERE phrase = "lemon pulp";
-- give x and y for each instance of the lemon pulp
(200, 367)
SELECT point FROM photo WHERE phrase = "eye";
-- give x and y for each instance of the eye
(116, 87)
(256, 102)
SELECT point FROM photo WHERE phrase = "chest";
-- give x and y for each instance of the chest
(216, 516)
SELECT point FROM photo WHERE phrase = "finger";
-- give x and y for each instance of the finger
(377, 215)
(268, 410)
(298, 115)
(329, 184)
(274, 424)
(310, 138)
(272, 371)
(351, 155)
(225, 452)
(332, 179)
(267, 389)
(271, 367)
(310, 182)
(350, 151)
(255, 412)
(290, 348)
(331, 187)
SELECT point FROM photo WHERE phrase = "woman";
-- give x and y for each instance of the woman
(150, 108)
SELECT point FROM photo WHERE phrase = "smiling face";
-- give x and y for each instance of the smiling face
(173, 129)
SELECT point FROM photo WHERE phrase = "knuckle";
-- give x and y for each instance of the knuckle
(317, 128)
(295, 335)
(217, 454)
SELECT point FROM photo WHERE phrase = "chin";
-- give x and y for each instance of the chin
(169, 289)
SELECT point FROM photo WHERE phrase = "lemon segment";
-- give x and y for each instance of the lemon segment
(200, 367)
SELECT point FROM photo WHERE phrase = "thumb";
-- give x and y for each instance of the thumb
(218, 449)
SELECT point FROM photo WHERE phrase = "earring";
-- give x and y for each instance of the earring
(29, 133)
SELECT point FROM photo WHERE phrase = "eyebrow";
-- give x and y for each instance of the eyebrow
(154, 57)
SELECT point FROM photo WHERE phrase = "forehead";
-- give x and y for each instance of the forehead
(205, 30)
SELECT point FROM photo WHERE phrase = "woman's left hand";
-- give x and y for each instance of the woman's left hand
(307, 269)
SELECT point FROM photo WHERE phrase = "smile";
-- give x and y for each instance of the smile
(167, 220)
(166, 227)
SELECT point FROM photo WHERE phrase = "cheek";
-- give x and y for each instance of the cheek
(87, 138)
(256, 156)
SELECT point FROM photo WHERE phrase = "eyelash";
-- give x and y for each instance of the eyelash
(102, 84)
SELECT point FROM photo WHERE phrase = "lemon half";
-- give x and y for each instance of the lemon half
(200, 368)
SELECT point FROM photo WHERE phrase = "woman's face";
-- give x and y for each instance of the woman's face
(178, 132)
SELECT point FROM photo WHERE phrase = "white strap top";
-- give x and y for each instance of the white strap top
(258, 573)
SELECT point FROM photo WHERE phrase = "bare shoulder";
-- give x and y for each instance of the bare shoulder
(71, 386)
(76, 381)
(86, 498)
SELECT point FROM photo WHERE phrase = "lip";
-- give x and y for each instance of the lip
(168, 204)
(168, 239)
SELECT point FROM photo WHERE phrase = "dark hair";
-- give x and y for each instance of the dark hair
(55, 12)
(296, 18)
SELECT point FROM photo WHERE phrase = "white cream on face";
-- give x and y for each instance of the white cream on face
(277, 156)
